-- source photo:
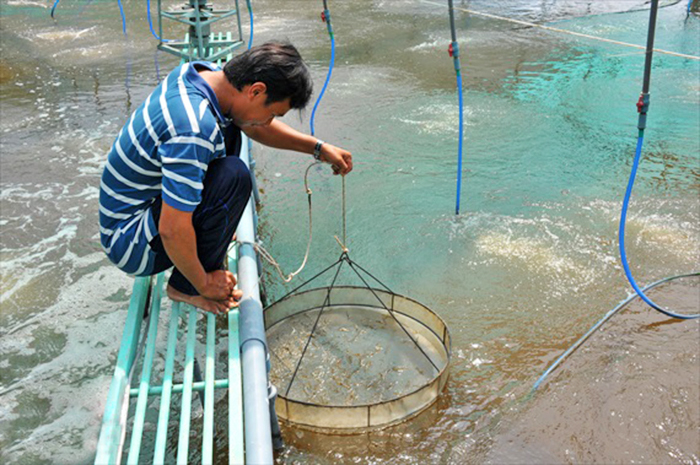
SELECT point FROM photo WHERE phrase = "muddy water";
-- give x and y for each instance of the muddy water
(519, 276)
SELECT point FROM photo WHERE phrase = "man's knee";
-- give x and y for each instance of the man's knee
(228, 176)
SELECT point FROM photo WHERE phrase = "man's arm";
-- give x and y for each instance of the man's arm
(180, 243)
(281, 136)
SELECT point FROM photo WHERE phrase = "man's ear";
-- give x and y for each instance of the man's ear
(257, 88)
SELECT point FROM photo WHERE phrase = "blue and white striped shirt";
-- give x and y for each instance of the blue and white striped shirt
(163, 150)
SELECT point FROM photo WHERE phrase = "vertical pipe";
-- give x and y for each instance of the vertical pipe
(238, 17)
(250, 13)
(650, 45)
(642, 107)
(277, 440)
(644, 98)
(454, 52)
(160, 22)
(198, 28)
(329, 26)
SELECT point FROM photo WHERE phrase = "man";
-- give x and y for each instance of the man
(169, 193)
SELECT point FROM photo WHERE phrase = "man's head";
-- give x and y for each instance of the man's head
(276, 65)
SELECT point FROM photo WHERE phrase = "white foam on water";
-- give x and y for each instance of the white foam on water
(67, 34)
(27, 3)
(41, 222)
(535, 254)
(667, 233)
(30, 259)
(428, 46)
(93, 51)
(668, 226)
(351, 80)
(76, 380)
(436, 118)
(568, 253)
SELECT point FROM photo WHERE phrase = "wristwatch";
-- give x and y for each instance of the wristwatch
(317, 149)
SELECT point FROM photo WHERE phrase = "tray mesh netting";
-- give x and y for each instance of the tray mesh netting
(349, 358)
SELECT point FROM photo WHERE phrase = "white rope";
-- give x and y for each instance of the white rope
(345, 235)
(343, 243)
(565, 31)
(268, 256)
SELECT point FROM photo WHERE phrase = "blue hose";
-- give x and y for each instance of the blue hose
(121, 11)
(623, 254)
(150, 23)
(461, 137)
(250, 13)
(642, 108)
(330, 70)
(454, 53)
(53, 8)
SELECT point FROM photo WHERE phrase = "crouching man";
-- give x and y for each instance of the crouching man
(173, 189)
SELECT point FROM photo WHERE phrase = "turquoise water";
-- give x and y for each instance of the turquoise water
(529, 265)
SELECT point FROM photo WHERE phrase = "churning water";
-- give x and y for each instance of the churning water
(529, 265)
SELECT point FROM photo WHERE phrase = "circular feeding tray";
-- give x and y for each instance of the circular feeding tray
(350, 359)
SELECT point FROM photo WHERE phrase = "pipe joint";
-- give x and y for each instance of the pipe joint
(326, 18)
(642, 109)
(643, 103)
(453, 49)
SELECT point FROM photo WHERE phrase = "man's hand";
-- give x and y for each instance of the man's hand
(218, 285)
(281, 136)
(340, 159)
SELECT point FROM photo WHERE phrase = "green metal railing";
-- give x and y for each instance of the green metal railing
(200, 42)
(127, 408)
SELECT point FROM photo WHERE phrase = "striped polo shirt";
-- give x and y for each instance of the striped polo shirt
(163, 150)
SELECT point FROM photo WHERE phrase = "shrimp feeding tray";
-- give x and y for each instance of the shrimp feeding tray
(349, 359)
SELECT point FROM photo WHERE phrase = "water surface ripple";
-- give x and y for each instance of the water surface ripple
(528, 267)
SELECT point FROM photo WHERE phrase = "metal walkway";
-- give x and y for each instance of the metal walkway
(152, 414)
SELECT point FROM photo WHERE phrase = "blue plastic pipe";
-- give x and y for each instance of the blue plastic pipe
(150, 23)
(623, 254)
(250, 13)
(643, 108)
(55, 4)
(121, 12)
(461, 138)
(454, 52)
(327, 18)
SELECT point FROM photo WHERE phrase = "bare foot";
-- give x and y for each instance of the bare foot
(214, 306)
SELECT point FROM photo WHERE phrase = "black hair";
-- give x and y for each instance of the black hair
(279, 66)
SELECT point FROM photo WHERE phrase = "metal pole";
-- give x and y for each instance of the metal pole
(643, 103)
(277, 440)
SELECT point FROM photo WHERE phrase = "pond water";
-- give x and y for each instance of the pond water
(529, 265)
